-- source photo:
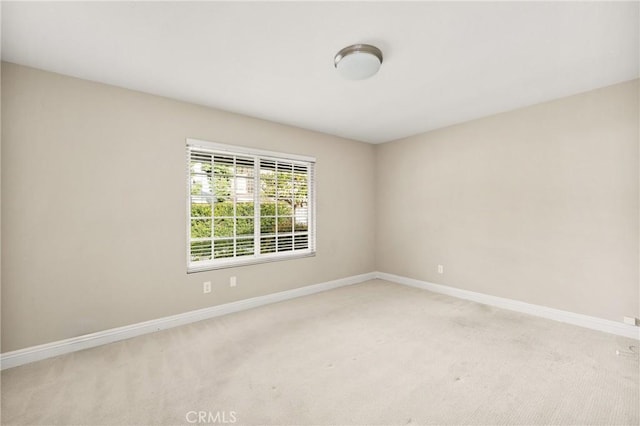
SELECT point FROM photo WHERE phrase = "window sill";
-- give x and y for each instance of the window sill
(249, 260)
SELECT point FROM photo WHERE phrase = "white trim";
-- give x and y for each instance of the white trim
(234, 149)
(234, 262)
(48, 350)
(594, 323)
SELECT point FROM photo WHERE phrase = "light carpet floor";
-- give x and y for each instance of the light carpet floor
(372, 353)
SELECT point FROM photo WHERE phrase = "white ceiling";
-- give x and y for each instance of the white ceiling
(444, 63)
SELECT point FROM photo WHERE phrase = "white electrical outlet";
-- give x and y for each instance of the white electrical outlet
(206, 287)
(232, 282)
(631, 321)
(440, 269)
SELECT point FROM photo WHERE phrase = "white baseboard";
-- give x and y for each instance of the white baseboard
(48, 350)
(594, 323)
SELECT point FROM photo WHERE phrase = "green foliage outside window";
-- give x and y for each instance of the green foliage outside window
(223, 223)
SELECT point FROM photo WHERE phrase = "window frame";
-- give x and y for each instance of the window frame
(258, 155)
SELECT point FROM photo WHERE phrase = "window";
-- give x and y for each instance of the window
(247, 206)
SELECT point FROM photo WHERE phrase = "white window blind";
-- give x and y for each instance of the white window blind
(247, 206)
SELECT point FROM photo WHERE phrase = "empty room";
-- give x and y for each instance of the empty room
(320, 213)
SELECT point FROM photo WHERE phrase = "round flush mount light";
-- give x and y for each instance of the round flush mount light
(358, 61)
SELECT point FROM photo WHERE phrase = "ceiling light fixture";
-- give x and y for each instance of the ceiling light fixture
(358, 61)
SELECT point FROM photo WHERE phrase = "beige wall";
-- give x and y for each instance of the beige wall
(538, 204)
(93, 207)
